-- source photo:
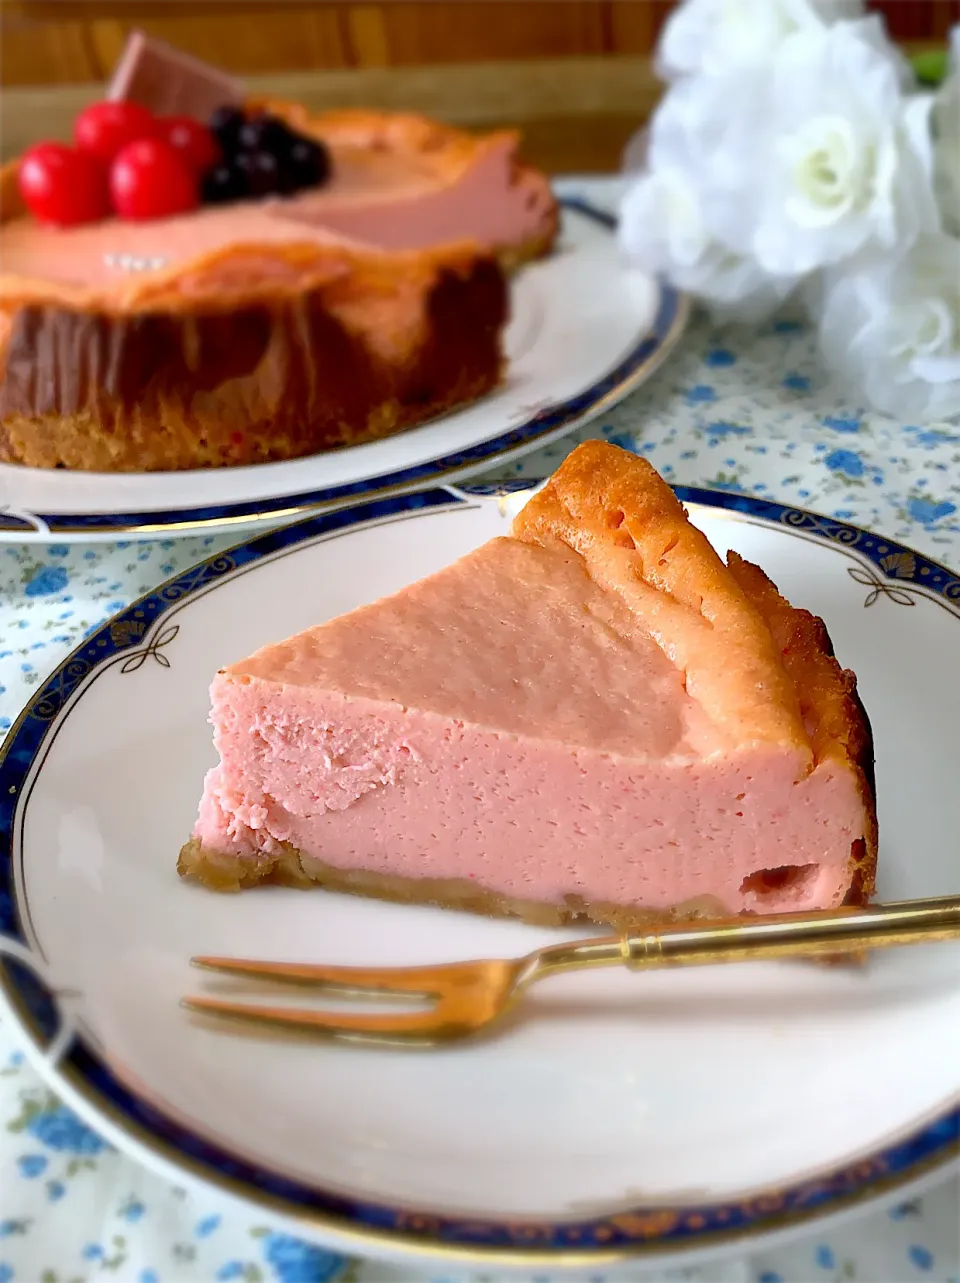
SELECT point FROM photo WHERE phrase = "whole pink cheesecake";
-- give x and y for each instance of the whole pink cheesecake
(593, 717)
(322, 314)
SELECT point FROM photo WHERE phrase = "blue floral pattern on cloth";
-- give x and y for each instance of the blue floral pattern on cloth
(743, 413)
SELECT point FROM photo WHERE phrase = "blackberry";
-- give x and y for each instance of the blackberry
(223, 185)
(306, 164)
(225, 125)
(264, 134)
(261, 171)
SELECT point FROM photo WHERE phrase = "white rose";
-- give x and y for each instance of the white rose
(668, 218)
(711, 128)
(717, 36)
(846, 165)
(890, 328)
(663, 229)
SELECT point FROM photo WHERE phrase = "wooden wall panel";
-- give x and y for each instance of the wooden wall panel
(634, 26)
(365, 32)
(481, 30)
(33, 53)
(919, 19)
(39, 45)
(63, 41)
(249, 42)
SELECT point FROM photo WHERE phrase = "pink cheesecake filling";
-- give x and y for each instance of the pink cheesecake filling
(400, 793)
(508, 722)
(375, 200)
(489, 203)
(118, 251)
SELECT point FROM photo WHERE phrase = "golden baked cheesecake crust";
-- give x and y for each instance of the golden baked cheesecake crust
(833, 713)
(268, 374)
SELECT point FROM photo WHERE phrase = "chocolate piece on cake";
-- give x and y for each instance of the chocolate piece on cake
(170, 83)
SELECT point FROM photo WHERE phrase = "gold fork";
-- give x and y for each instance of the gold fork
(458, 999)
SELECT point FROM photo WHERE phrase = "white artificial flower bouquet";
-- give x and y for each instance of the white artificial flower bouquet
(794, 153)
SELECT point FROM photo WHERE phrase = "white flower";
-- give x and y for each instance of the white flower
(891, 330)
(667, 217)
(712, 128)
(702, 122)
(663, 229)
(718, 36)
(846, 164)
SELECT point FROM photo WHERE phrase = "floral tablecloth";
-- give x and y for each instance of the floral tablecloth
(742, 412)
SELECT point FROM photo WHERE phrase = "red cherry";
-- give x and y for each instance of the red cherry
(105, 128)
(63, 186)
(149, 179)
(194, 141)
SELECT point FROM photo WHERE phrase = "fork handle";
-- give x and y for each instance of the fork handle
(782, 935)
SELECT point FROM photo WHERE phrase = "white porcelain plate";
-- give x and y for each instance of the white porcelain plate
(585, 331)
(618, 1113)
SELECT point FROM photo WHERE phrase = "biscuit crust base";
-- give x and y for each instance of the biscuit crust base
(292, 868)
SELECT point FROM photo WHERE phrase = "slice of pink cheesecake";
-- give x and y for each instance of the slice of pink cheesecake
(594, 717)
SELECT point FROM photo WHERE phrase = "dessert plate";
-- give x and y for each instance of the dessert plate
(617, 1114)
(585, 331)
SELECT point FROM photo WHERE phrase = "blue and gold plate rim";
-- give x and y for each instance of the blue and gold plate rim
(85, 1078)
